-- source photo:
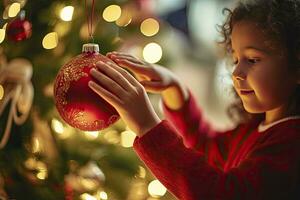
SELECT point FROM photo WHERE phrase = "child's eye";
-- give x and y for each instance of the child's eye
(253, 60)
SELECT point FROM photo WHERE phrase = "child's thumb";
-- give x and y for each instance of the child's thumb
(152, 86)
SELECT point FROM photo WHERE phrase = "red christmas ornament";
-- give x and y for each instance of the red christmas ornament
(77, 104)
(19, 29)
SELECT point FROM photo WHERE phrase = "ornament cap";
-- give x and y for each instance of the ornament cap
(90, 47)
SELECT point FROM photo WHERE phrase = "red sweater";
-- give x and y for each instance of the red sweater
(195, 162)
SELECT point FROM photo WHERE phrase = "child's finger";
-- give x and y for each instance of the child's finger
(136, 68)
(118, 53)
(152, 86)
(105, 94)
(109, 83)
(134, 60)
(124, 73)
(113, 72)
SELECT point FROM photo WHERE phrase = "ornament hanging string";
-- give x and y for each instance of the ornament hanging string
(90, 19)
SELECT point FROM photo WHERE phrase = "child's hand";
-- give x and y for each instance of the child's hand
(126, 95)
(154, 78)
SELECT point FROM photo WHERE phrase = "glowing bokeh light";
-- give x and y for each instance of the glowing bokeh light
(91, 135)
(57, 126)
(103, 195)
(152, 52)
(127, 138)
(149, 27)
(156, 189)
(2, 35)
(112, 13)
(86, 196)
(50, 41)
(14, 9)
(66, 14)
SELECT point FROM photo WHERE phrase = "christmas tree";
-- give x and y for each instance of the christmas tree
(41, 157)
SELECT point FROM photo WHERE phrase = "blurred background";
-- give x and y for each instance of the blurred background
(43, 158)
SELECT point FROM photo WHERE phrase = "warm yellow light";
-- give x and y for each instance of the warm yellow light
(112, 13)
(86, 196)
(42, 175)
(14, 9)
(156, 189)
(127, 138)
(89, 184)
(1, 92)
(36, 146)
(66, 14)
(30, 163)
(103, 195)
(142, 172)
(41, 166)
(57, 126)
(149, 27)
(152, 52)
(4, 26)
(42, 170)
(50, 41)
(2, 35)
(91, 135)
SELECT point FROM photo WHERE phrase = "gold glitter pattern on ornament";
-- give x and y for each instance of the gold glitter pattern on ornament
(72, 71)
(79, 120)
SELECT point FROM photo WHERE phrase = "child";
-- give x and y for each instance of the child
(260, 158)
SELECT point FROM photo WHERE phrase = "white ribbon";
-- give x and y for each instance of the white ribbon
(15, 79)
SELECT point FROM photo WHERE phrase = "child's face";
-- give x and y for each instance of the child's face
(261, 76)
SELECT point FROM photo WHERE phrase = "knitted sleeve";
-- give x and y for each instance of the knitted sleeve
(270, 172)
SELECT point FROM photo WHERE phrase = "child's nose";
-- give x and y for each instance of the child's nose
(238, 73)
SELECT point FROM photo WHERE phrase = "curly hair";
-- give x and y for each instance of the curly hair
(280, 20)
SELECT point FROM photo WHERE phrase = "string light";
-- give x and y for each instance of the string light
(14, 9)
(149, 27)
(66, 13)
(112, 13)
(127, 138)
(50, 41)
(156, 189)
(152, 52)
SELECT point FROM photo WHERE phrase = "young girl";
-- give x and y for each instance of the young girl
(260, 158)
